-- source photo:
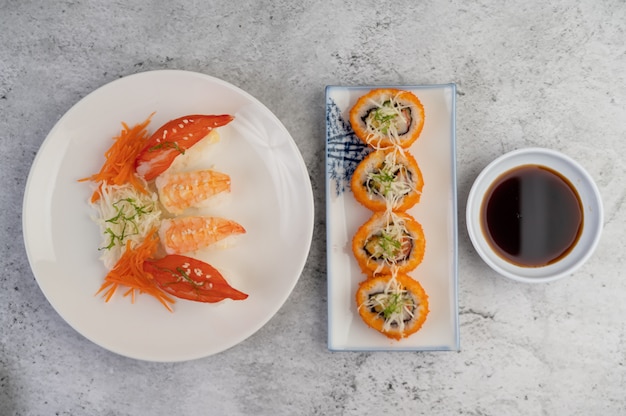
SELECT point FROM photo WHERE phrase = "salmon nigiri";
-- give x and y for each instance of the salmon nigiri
(179, 191)
(186, 234)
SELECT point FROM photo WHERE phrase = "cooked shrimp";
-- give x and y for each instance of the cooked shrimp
(186, 234)
(179, 191)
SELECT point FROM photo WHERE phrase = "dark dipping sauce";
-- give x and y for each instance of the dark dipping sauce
(532, 216)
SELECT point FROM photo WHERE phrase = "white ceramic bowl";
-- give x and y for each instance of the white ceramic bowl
(592, 214)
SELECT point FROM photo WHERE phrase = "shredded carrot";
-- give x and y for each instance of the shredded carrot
(128, 271)
(119, 166)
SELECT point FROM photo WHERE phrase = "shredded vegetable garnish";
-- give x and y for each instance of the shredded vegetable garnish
(391, 180)
(392, 243)
(125, 215)
(129, 272)
(119, 167)
(394, 304)
(388, 119)
(127, 218)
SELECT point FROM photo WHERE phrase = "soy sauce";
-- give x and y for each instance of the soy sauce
(532, 216)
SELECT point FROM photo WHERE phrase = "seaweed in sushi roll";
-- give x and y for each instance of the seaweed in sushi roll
(387, 117)
(396, 306)
(387, 180)
(389, 241)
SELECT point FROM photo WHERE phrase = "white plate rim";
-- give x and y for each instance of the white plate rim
(298, 169)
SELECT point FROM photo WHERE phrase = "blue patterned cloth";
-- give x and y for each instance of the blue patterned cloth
(344, 149)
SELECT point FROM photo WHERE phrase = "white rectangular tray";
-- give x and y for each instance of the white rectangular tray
(435, 153)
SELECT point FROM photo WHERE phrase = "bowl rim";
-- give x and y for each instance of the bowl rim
(580, 179)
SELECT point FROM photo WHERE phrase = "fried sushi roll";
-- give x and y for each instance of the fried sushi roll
(387, 180)
(387, 117)
(396, 306)
(389, 241)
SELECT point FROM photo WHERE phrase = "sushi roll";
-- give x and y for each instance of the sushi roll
(387, 180)
(387, 117)
(396, 306)
(182, 190)
(389, 241)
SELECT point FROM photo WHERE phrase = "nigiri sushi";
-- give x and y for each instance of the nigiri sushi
(387, 179)
(396, 306)
(387, 117)
(191, 279)
(173, 139)
(389, 241)
(179, 191)
(186, 234)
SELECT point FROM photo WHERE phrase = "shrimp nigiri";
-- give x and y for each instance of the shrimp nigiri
(179, 191)
(186, 234)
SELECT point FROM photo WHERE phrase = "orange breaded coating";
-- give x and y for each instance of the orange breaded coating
(387, 117)
(387, 180)
(396, 306)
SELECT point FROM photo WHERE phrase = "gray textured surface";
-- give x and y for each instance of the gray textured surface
(528, 73)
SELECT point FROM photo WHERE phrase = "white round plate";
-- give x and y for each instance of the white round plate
(271, 197)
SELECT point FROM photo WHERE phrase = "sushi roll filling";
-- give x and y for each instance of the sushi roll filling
(388, 119)
(389, 180)
(395, 306)
(389, 246)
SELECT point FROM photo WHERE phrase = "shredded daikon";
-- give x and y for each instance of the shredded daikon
(393, 240)
(394, 304)
(392, 181)
(387, 119)
(124, 214)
